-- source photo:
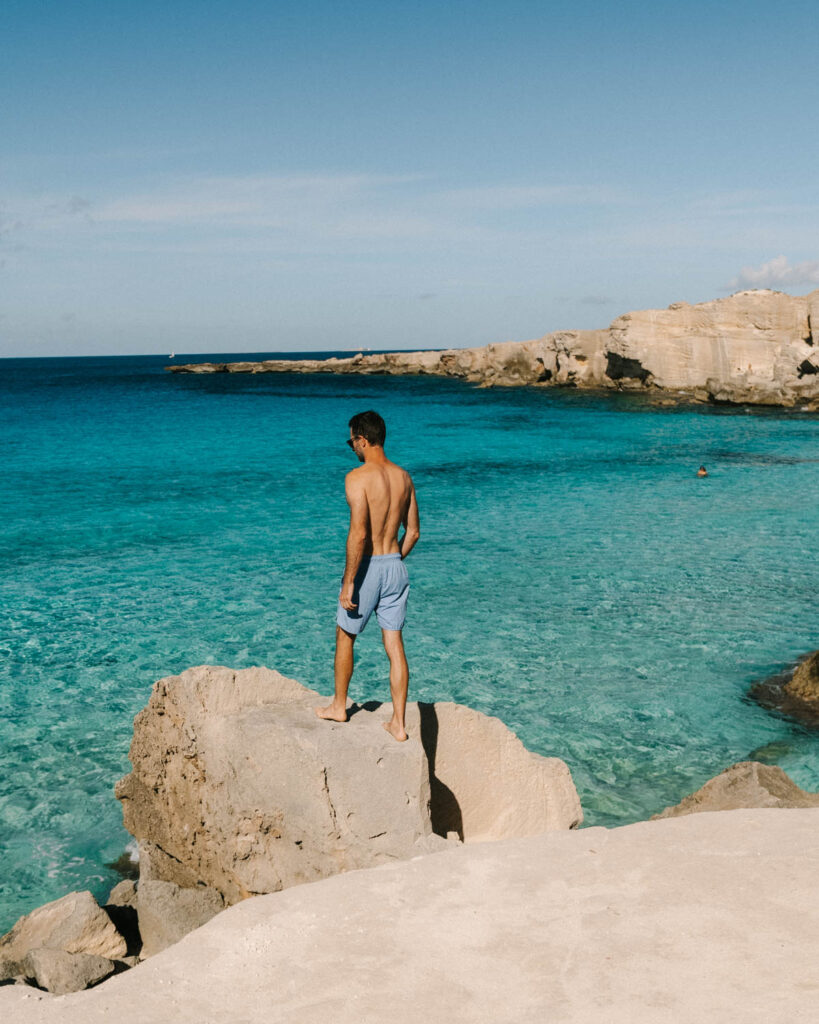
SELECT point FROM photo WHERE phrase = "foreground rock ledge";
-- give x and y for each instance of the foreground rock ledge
(757, 347)
(708, 917)
(237, 786)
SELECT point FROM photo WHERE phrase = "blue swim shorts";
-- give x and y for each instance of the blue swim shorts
(381, 586)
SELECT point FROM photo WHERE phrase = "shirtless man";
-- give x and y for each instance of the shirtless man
(381, 497)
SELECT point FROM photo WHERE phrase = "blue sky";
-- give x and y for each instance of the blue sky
(255, 176)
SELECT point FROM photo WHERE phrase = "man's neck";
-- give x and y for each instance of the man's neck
(374, 456)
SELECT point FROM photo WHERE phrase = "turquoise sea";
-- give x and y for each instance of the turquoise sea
(573, 577)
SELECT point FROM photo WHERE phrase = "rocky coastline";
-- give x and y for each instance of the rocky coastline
(757, 347)
(237, 790)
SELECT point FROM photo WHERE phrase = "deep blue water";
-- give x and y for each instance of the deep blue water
(574, 577)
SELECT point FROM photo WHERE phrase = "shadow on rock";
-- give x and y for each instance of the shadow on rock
(444, 809)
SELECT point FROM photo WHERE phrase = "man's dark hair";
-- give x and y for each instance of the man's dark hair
(370, 426)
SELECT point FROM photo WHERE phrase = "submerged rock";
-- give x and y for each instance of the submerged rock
(237, 785)
(794, 693)
(746, 784)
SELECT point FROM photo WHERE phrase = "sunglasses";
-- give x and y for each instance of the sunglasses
(351, 440)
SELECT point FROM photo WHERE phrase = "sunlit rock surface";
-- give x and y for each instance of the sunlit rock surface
(708, 917)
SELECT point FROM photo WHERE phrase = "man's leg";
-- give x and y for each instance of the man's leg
(343, 671)
(399, 681)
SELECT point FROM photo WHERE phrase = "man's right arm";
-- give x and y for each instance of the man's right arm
(412, 525)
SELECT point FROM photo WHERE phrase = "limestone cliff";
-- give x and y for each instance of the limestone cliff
(756, 347)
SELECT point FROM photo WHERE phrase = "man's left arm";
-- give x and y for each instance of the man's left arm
(356, 536)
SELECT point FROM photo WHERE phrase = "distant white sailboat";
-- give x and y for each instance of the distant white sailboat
(171, 355)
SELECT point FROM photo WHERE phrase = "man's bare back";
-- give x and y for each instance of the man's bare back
(388, 493)
(382, 499)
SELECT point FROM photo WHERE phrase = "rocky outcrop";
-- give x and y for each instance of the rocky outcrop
(237, 785)
(705, 918)
(756, 347)
(794, 692)
(804, 683)
(746, 784)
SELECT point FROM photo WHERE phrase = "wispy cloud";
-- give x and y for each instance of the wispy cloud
(246, 200)
(519, 197)
(777, 272)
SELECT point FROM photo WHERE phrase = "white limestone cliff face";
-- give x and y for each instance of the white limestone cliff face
(238, 786)
(753, 336)
(758, 347)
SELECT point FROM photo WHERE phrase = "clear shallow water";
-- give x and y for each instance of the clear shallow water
(574, 577)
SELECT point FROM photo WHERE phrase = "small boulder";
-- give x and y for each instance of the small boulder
(746, 784)
(60, 972)
(10, 969)
(123, 894)
(168, 912)
(75, 924)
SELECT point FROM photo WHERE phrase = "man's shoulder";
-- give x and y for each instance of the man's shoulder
(400, 469)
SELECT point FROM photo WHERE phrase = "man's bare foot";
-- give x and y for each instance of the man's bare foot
(332, 713)
(394, 731)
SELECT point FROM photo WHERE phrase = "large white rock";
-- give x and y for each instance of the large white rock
(708, 919)
(238, 786)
